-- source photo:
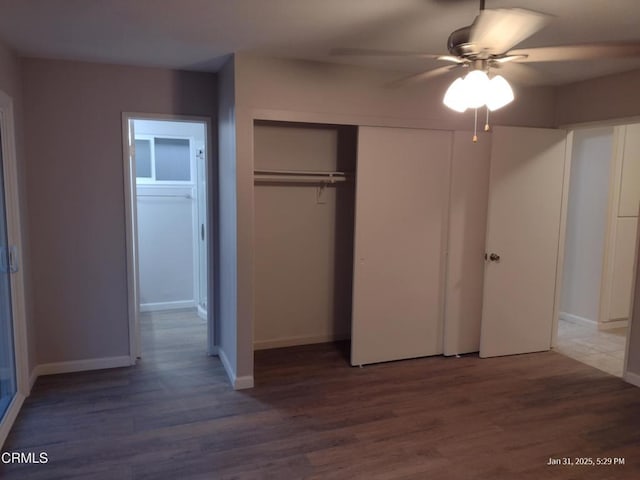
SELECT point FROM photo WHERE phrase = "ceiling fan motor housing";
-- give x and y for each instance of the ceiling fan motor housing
(458, 43)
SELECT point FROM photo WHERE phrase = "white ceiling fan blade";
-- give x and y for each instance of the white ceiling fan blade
(424, 76)
(509, 58)
(450, 58)
(499, 30)
(367, 52)
(594, 51)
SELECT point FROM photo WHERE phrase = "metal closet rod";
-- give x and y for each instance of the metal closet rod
(185, 195)
(298, 179)
(299, 176)
(297, 172)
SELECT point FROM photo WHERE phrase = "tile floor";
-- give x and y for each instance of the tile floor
(602, 349)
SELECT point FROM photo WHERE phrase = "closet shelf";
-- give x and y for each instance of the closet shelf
(301, 176)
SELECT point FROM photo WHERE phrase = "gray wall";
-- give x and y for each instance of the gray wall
(11, 84)
(277, 89)
(599, 99)
(225, 300)
(76, 194)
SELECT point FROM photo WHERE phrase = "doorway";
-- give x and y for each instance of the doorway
(600, 241)
(168, 223)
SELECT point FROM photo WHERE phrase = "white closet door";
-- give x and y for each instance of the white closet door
(467, 234)
(402, 195)
(523, 229)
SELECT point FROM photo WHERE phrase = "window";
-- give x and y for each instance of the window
(163, 159)
(143, 158)
(172, 159)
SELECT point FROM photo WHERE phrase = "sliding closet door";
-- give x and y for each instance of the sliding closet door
(402, 193)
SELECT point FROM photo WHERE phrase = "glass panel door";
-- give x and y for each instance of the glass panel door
(7, 364)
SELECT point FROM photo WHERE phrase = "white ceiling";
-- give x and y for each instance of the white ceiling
(198, 34)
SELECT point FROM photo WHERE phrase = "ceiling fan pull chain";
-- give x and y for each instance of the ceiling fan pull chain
(475, 126)
(486, 124)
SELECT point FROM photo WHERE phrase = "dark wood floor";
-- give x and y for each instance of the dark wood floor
(313, 416)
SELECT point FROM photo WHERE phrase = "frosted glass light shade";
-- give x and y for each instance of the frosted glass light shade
(499, 93)
(476, 85)
(456, 96)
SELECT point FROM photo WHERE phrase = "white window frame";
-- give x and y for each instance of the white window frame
(21, 355)
(192, 157)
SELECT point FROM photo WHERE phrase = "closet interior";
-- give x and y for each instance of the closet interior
(304, 194)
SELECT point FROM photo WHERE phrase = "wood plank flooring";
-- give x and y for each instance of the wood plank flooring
(312, 416)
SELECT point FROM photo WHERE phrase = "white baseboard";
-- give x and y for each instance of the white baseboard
(159, 306)
(294, 341)
(238, 383)
(10, 417)
(613, 324)
(81, 365)
(202, 313)
(33, 377)
(569, 317)
(632, 378)
(242, 383)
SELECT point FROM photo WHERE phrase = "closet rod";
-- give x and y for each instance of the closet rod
(299, 172)
(326, 179)
(187, 196)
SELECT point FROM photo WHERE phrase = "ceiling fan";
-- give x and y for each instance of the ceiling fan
(485, 46)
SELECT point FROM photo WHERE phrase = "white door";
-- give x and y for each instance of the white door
(523, 232)
(402, 195)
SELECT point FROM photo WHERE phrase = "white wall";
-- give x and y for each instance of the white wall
(303, 248)
(165, 247)
(168, 227)
(586, 223)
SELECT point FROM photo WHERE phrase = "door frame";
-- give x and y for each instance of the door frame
(14, 234)
(571, 128)
(133, 277)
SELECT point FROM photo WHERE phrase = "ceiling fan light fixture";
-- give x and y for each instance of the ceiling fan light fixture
(476, 84)
(456, 96)
(499, 93)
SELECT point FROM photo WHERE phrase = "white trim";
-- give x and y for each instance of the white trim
(613, 324)
(14, 237)
(606, 282)
(238, 383)
(202, 313)
(227, 365)
(33, 377)
(562, 237)
(82, 365)
(131, 239)
(159, 306)
(570, 317)
(242, 383)
(10, 417)
(632, 378)
(295, 341)
(612, 122)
